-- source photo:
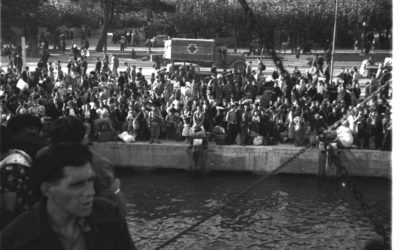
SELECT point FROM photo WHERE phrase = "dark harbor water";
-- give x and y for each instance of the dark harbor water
(283, 212)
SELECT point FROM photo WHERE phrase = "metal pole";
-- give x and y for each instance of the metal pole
(23, 47)
(333, 42)
(106, 7)
(106, 25)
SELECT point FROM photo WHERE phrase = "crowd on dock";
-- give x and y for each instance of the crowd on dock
(47, 113)
(117, 102)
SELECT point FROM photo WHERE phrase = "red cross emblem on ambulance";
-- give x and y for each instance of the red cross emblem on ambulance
(192, 48)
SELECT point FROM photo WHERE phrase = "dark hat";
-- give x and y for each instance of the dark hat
(67, 129)
(19, 122)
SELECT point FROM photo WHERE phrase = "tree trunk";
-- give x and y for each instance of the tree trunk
(108, 10)
(102, 40)
(31, 34)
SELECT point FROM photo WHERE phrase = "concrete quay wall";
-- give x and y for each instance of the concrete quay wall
(258, 159)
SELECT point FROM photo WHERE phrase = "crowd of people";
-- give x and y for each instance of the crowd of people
(48, 115)
(61, 195)
(236, 106)
(126, 38)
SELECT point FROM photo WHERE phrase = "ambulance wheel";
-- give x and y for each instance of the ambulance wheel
(239, 67)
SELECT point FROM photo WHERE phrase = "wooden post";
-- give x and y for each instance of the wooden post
(330, 163)
(199, 154)
(322, 160)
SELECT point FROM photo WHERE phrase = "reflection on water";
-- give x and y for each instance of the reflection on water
(283, 212)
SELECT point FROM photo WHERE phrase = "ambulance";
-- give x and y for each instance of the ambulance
(203, 52)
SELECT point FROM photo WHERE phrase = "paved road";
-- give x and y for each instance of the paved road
(115, 47)
(345, 58)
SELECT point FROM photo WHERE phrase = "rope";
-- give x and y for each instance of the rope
(366, 208)
(233, 199)
(279, 65)
(379, 229)
(263, 178)
(361, 104)
(256, 26)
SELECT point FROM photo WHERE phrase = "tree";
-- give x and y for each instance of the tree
(314, 19)
(70, 15)
(110, 7)
(21, 14)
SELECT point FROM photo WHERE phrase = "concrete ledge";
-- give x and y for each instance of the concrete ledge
(259, 159)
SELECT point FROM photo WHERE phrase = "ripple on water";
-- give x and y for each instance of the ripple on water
(283, 213)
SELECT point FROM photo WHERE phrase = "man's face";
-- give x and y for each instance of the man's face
(73, 194)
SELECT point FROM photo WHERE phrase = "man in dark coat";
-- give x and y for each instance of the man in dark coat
(98, 65)
(25, 134)
(232, 124)
(26, 75)
(68, 216)
(84, 66)
(244, 126)
(18, 62)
